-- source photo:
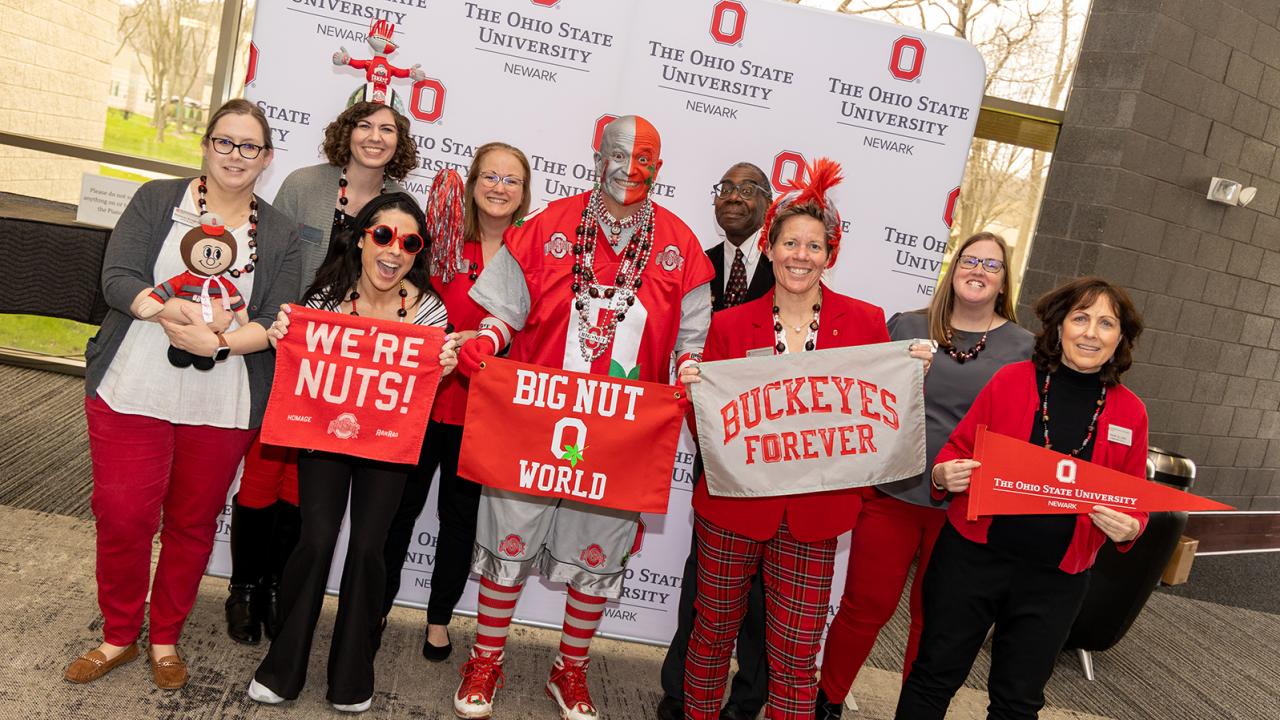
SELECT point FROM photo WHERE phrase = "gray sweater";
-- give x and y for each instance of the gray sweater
(308, 195)
(127, 270)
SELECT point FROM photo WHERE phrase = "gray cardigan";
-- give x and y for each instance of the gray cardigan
(308, 195)
(129, 264)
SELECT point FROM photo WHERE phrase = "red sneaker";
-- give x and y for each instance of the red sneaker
(568, 687)
(481, 678)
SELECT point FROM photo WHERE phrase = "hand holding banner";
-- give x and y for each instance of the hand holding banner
(1018, 478)
(353, 385)
(809, 422)
(589, 438)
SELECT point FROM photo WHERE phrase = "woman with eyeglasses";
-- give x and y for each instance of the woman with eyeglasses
(972, 319)
(368, 151)
(496, 195)
(165, 441)
(381, 274)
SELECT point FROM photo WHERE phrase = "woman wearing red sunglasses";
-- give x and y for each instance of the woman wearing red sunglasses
(380, 271)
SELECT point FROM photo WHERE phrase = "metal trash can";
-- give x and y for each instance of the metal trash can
(1170, 468)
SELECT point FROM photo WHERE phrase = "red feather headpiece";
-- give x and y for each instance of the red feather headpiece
(444, 223)
(811, 185)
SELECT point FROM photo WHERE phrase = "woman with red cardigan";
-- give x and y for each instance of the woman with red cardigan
(795, 534)
(1028, 574)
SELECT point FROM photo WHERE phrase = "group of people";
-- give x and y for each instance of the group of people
(343, 236)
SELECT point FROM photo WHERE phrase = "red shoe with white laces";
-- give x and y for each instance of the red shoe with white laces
(481, 678)
(568, 687)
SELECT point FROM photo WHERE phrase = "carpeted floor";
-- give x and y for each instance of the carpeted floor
(1184, 657)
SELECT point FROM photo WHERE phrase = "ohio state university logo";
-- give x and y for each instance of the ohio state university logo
(788, 166)
(511, 546)
(906, 62)
(949, 213)
(669, 259)
(593, 556)
(728, 22)
(251, 72)
(344, 427)
(557, 246)
(598, 131)
(546, 3)
(427, 101)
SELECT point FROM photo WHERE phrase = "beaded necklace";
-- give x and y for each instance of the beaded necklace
(402, 312)
(971, 353)
(201, 190)
(779, 335)
(340, 213)
(1044, 417)
(592, 338)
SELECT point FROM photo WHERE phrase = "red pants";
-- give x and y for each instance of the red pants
(888, 535)
(270, 474)
(143, 467)
(797, 588)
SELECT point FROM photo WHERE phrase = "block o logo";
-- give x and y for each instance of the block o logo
(427, 102)
(252, 71)
(728, 22)
(546, 3)
(598, 132)
(949, 213)
(907, 61)
(787, 166)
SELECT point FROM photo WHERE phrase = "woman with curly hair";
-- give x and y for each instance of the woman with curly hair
(369, 151)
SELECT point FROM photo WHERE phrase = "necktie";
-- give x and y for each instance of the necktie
(735, 291)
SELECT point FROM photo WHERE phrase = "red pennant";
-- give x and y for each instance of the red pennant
(353, 385)
(593, 439)
(1018, 478)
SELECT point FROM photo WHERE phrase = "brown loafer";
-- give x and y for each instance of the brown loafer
(93, 664)
(168, 672)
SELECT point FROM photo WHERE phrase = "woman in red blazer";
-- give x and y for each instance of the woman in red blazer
(795, 534)
(1027, 574)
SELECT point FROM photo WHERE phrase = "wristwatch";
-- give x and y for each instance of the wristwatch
(224, 350)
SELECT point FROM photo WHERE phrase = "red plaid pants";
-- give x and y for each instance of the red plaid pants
(797, 590)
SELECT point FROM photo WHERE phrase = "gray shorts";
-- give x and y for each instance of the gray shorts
(586, 546)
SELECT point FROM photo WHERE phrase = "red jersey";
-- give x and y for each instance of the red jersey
(464, 314)
(543, 247)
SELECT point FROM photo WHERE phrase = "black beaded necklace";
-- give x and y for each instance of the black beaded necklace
(402, 312)
(971, 353)
(201, 190)
(1044, 417)
(592, 339)
(779, 334)
(340, 213)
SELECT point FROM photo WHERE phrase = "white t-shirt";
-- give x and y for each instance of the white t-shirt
(140, 380)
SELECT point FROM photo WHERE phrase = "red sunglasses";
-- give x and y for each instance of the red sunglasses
(383, 235)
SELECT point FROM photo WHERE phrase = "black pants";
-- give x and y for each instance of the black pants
(750, 685)
(967, 588)
(324, 481)
(456, 505)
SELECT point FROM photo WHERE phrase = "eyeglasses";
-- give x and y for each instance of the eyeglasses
(492, 179)
(383, 235)
(746, 189)
(248, 151)
(991, 265)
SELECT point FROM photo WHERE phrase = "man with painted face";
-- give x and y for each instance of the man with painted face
(604, 282)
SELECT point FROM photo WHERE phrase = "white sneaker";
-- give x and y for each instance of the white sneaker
(850, 703)
(263, 694)
(354, 707)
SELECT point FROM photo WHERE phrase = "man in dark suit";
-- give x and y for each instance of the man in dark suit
(742, 273)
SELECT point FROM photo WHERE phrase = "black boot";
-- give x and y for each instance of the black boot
(288, 524)
(250, 532)
(825, 709)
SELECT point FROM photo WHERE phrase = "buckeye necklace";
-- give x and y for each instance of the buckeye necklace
(402, 312)
(593, 339)
(1044, 417)
(971, 353)
(779, 335)
(201, 190)
(340, 213)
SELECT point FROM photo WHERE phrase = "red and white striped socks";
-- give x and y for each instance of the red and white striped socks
(493, 621)
(582, 613)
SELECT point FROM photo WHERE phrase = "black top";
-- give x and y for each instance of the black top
(1073, 399)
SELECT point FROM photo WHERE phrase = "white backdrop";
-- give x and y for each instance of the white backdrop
(722, 80)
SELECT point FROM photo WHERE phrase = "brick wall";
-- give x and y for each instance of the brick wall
(1167, 94)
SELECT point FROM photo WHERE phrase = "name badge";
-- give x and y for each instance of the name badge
(760, 352)
(1120, 435)
(189, 219)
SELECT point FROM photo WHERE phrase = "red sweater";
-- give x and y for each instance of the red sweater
(1008, 405)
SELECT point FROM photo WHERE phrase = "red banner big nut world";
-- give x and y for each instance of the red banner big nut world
(1018, 478)
(556, 433)
(353, 385)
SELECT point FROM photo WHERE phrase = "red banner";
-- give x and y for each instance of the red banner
(353, 385)
(1018, 478)
(590, 438)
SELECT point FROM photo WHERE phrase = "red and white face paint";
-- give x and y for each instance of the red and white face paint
(629, 159)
